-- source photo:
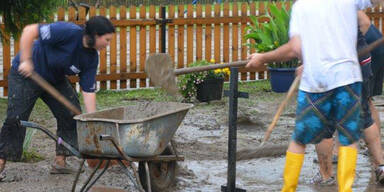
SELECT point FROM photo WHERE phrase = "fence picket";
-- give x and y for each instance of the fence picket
(217, 35)
(252, 75)
(123, 47)
(132, 47)
(152, 32)
(208, 33)
(171, 33)
(199, 33)
(6, 61)
(244, 49)
(190, 35)
(81, 17)
(180, 38)
(226, 34)
(61, 14)
(143, 45)
(103, 57)
(92, 12)
(235, 34)
(113, 50)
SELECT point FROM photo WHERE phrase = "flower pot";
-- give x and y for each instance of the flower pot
(281, 78)
(210, 89)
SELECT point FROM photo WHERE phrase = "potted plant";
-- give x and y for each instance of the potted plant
(204, 86)
(268, 36)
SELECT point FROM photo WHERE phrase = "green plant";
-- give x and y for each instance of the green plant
(18, 13)
(270, 35)
(28, 154)
(187, 83)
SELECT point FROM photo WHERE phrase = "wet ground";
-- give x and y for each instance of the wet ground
(202, 139)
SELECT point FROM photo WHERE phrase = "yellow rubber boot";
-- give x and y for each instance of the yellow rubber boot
(293, 164)
(346, 166)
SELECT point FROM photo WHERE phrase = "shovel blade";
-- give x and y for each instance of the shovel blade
(160, 69)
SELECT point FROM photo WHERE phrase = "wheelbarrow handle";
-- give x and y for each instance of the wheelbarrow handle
(59, 140)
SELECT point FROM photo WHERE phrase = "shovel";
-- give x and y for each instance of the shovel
(55, 94)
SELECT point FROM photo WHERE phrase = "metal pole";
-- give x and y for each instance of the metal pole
(232, 133)
(233, 95)
(163, 28)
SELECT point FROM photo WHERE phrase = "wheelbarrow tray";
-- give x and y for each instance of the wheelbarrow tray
(142, 130)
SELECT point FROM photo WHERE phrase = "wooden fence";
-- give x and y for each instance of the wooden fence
(193, 33)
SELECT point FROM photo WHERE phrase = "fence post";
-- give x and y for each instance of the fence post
(163, 28)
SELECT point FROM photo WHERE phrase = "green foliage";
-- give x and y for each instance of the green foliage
(28, 138)
(270, 35)
(187, 83)
(19, 13)
(29, 155)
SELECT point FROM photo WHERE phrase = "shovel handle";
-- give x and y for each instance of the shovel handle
(280, 109)
(367, 49)
(55, 94)
(210, 67)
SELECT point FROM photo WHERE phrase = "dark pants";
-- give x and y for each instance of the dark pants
(22, 96)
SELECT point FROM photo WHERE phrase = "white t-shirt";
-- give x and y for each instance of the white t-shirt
(328, 33)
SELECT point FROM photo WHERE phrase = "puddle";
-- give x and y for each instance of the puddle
(265, 174)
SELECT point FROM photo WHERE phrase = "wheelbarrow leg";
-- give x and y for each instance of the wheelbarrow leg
(77, 175)
(92, 174)
(136, 182)
(173, 145)
(98, 177)
(148, 177)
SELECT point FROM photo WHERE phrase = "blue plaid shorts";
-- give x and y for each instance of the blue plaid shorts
(318, 115)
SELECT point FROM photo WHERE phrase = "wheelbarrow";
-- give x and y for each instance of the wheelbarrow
(136, 133)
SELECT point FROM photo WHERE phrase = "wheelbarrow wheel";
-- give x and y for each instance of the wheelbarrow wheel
(162, 174)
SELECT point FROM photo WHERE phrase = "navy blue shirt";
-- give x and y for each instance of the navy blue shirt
(59, 52)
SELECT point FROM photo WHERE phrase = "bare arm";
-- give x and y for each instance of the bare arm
(286, 52)
(364, 22)
(29, 34)
(89, 101)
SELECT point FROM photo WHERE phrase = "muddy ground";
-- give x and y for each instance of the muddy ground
(202, 139)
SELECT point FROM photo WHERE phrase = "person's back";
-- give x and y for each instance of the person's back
(328, 44)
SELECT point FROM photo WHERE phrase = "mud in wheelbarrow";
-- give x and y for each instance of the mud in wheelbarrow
(136, 133)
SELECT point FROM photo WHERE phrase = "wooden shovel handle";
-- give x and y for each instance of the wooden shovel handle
(281, 107)
(55, 94)
(210, 67)
(367, 49)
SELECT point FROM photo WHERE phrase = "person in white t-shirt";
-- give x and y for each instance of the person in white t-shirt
(323, 34)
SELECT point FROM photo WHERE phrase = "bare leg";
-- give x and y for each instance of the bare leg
(296, 148)
(372, 139)
(336, 145)
(2, 165)
(375, 114)
(324, 153)
(60, 160)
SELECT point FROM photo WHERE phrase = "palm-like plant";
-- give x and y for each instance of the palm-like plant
(270, 35)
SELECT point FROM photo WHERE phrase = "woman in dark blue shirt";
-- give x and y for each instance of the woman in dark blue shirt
(60, 49)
